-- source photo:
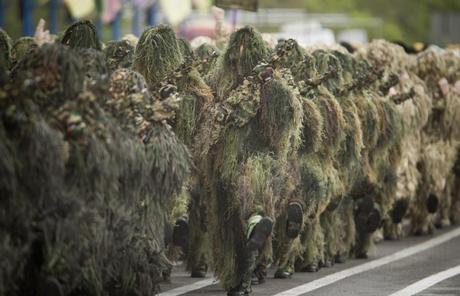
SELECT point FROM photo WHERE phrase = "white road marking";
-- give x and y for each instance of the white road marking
(189, 288)
(427, 282)
(338, 276)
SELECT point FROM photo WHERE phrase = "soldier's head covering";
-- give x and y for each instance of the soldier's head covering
(81, 34)
(207, 54)
(245, 50)
(119, 54)
(5, 55)
(157, 54)
(50, 73)
(21, 47)
(95, 69)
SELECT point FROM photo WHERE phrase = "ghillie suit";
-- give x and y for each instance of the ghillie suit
(185, 48)
(5, 56)
(455, 193)
(97, 197)
(119, 54)
(439, 141)
(323, 133)
(380, 159)
(414, 107)
(81, 34)
(207, 56)
(244, 144)
(95, 68)
(21, 47)
(159, 58)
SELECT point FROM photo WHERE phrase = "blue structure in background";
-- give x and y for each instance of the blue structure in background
(53, 16)
(152, 14)
(116, 27)
(136, 21)
(27, 15)
(2, 13)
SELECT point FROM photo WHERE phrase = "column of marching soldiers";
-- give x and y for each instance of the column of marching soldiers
(118, 159)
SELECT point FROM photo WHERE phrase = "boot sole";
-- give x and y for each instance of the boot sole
(261, 232)
(294, 216)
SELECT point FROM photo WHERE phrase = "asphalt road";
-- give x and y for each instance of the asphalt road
(428, 265)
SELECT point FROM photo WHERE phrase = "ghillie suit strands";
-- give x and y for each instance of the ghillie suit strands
(119, 54)
(95, 68)
(81, 34)
(185, 48)
(94, 199)
(5, 56)
(438, 135)
(159, 58)
(207, 56)
(21, 47)
(244, 143)
(244, 51)
(157, 46)
(414, 111)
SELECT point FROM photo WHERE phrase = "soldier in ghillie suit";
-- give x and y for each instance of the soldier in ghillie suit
(5, 56)
(81, 166)
(245, 144)
(81, 34)
(21, 47)
(159, 58)
(207, 55)
(119, 54)
(439, 146)
(414, 106)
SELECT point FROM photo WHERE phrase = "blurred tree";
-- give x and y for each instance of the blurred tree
(407, 20)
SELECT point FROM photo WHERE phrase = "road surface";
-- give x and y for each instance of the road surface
(428, 265)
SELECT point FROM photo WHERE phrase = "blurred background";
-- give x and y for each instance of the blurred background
(309, 21)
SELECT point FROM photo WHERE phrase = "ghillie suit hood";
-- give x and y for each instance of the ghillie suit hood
(96, 70)
(157, 54)
(207, 56)
(81, 34)
(51, 75)
(119, 54)
(244, 51)
(21, 47)
(5, 56)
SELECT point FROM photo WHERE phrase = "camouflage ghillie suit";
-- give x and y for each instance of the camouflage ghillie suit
(96, 221)
(21, 47)
(245, 143)
(160, 59)
(415, 107)
(81, 34)
(5, 56)
(438, 141)
(206, 55)
(119, 54)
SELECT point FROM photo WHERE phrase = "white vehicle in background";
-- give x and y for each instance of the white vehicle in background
(306, 33)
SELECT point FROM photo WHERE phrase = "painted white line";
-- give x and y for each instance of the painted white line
(189, 288)
(338, 276)
(428, 282)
